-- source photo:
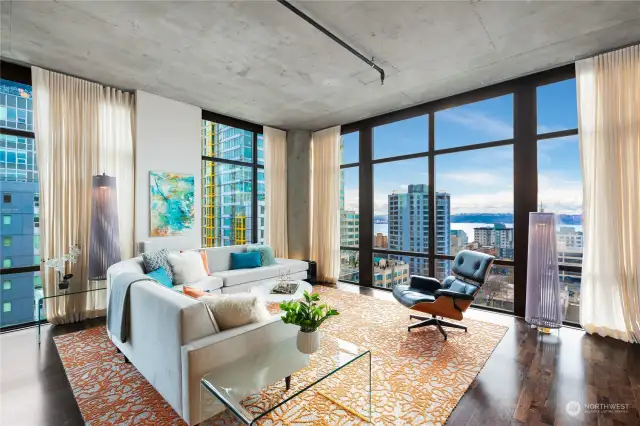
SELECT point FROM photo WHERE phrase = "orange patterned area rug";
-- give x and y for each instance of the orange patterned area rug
(417, 377)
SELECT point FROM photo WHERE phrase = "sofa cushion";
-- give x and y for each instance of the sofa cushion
(241, 276)
(267, 258)
(235, 310)
(245, 260)
(207, 283)
(158, 259)
(220, 257)
(187, 267)
(292, 265)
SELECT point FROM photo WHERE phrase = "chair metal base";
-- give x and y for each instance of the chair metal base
(434, 321)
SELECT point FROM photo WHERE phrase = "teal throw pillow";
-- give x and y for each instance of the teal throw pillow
(267, 257)
(161, 276)
(245, 260)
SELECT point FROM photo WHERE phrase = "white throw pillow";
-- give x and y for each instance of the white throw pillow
(235, 310)
(186, 267)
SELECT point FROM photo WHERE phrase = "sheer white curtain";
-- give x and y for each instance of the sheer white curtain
(275, 180)
(609, 111)
(82, 129)
(325, 203)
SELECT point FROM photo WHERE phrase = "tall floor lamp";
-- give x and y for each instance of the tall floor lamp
(544, 301)
(104, 249)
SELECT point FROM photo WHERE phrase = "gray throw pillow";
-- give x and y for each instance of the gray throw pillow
(159, 259)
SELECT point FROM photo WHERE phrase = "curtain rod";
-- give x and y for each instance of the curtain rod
(333, 37)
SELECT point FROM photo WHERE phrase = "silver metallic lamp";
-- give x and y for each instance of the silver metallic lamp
(104, 249)
(544, 301)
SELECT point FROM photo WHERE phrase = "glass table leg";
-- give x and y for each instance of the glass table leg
(39, 310)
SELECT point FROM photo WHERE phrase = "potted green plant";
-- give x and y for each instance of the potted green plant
(309, 315)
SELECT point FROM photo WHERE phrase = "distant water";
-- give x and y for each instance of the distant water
(466, 227)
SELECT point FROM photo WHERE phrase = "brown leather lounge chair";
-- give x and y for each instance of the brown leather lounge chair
(450, 298)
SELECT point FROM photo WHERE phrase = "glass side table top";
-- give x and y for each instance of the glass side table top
(66, 293)
(255, 385)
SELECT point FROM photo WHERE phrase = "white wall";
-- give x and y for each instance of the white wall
(167, 140)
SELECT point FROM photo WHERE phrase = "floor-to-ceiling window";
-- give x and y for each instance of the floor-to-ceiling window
(349, 208)
(400, 201)
(20, 278)
(233, 210)
(560, 183)
(477, 183)
(463, 173)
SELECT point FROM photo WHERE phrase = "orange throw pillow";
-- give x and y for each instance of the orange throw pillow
(205, 261)
(194, 292)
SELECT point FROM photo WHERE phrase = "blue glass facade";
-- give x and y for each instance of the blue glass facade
(19, 228)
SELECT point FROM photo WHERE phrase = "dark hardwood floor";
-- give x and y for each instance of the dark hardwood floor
(528, 380)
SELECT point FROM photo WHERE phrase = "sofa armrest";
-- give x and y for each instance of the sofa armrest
(204, 355)
(428, 284)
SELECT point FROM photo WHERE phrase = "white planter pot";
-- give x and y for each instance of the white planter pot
(308, 343)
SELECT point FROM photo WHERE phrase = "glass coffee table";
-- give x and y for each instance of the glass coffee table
(254, 386)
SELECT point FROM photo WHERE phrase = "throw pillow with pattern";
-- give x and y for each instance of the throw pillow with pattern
(159, 259)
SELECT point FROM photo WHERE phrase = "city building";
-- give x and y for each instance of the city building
(349, 266)
(569, 238)
(349, 228)
(389, 272)
(459, 241)
(381, 240)
(409, 227)
(498, 236)
(226, 188)
(20, 207)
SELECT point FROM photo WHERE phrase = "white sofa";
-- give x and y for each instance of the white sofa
(223, 279)
(172, 341)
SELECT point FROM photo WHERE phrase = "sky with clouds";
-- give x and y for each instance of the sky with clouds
(479, 181)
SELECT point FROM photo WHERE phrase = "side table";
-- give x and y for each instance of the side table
(42, 299)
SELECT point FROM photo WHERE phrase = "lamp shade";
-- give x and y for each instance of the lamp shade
(544, 302)
(104, 249)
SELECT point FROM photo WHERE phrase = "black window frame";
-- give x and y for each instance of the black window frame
(255, 166)
(525, 171)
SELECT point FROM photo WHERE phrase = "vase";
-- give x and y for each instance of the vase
(308, 343)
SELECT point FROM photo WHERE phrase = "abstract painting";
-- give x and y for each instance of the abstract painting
(172, 203)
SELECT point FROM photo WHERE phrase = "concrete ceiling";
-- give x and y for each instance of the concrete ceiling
(257, 61)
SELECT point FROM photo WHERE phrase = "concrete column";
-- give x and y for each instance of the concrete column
(298, 188)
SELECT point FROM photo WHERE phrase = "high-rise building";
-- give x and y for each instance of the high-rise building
(459, 241)
(349, 228)
(227, 188)
(20, 207)
(409, 227)
(498, 236)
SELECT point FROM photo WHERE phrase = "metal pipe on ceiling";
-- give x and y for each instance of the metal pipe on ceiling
(333, 37)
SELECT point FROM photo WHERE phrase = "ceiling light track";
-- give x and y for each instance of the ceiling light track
(333, 37)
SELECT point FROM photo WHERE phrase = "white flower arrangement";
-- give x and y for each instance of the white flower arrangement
(59, 264)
